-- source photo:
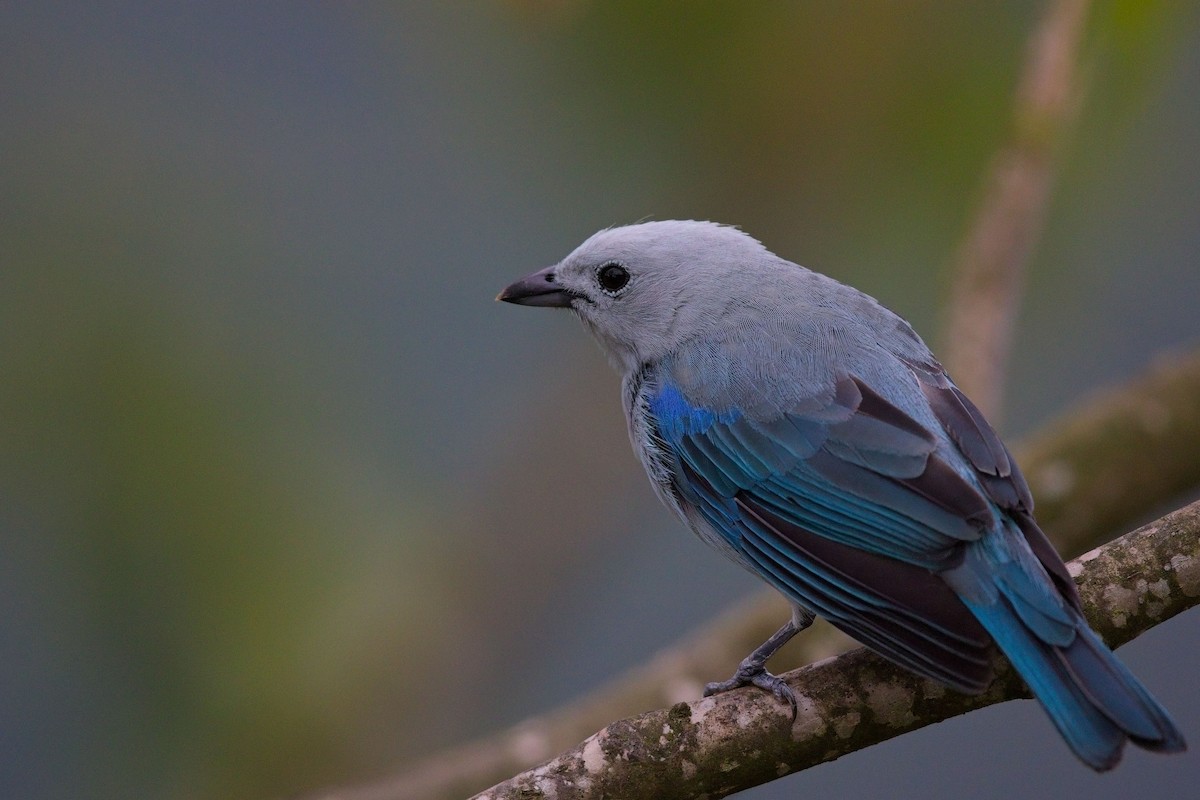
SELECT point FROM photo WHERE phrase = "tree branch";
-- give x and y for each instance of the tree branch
(724, 744)
(989, 269)
(1125, 454)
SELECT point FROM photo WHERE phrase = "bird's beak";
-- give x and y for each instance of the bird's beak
(538, 289)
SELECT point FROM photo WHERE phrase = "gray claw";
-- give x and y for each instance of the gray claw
(756, 677)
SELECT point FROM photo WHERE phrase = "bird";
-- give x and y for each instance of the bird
(807, 433)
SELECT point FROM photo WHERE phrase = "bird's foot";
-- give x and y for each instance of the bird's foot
(749, 674)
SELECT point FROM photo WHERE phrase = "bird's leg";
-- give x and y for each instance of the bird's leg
(752, 670)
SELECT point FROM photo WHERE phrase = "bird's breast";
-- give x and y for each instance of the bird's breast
(648, 445)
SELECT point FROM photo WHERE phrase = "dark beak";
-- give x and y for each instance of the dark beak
(538, 289)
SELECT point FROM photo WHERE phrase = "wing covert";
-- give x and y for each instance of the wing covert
(856, 469)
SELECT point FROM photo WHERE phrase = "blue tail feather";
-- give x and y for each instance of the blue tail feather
(1094, 701)
(1119, 695)
(1040, 607)
(1089, 733)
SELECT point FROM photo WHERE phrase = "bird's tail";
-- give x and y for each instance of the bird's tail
(1093, 699)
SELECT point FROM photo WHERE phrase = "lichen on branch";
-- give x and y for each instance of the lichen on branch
(724, 744)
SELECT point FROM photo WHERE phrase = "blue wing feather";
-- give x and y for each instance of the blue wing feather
(795, 462)
(729, 468)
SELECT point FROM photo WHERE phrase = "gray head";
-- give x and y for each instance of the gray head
(643, 289)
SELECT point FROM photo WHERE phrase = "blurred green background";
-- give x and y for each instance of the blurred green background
(286, 500)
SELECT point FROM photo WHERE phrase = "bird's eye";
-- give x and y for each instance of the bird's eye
(612, 278)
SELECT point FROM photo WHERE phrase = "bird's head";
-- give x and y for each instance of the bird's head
(644, 289)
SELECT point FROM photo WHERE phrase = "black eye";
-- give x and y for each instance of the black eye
(612, 277)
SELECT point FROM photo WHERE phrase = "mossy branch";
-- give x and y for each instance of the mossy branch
(724, 744)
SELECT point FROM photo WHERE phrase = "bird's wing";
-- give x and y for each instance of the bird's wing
(994, 466)
(848, 505)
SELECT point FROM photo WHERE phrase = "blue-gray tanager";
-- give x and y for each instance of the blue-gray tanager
(807, 433)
